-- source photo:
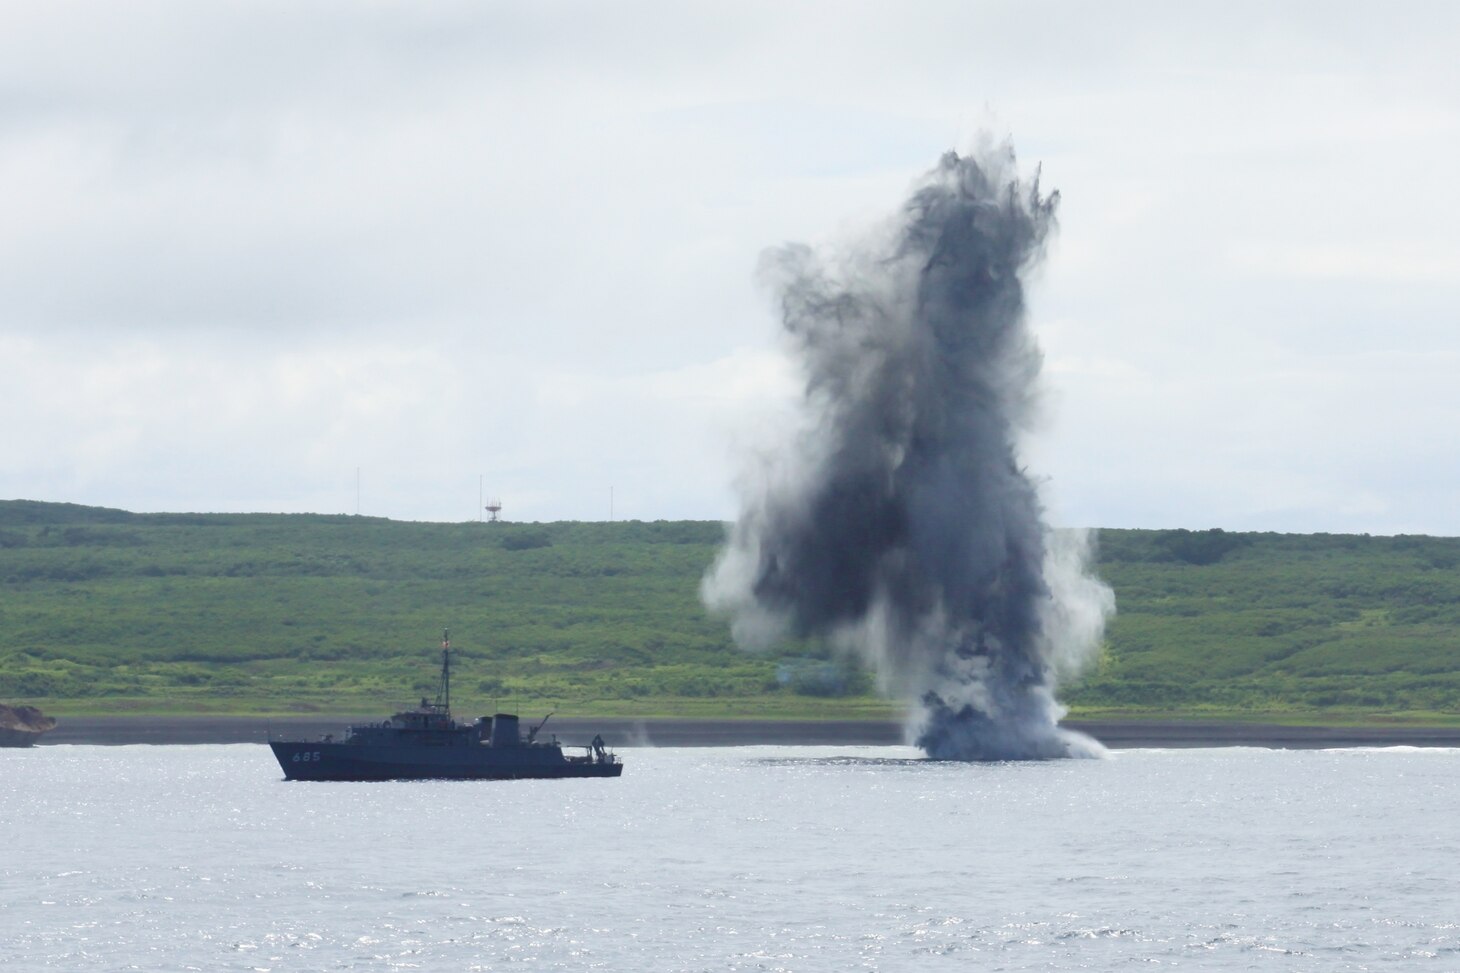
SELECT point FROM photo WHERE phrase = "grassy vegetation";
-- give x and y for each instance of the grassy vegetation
(104, 611)
(1286, 626)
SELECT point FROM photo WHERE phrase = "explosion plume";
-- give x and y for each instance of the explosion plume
(898, 523)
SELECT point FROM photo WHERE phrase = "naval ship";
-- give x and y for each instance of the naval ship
(428, 744)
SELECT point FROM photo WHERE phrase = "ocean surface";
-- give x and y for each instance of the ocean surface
(756, 858)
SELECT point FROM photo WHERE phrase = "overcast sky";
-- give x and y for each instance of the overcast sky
(247, 249)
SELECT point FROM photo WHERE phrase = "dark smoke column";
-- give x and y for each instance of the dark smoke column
(898, 523)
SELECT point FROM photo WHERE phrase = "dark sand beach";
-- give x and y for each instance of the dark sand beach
(119, 730)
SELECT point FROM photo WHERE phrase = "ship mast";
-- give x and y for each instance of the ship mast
(443, 695)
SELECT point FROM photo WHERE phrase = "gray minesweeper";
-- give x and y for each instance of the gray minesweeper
(427, 744)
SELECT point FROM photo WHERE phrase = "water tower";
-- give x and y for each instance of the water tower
(494, 508)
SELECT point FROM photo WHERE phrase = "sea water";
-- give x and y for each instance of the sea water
(848, 858)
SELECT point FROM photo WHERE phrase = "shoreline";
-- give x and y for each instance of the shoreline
(670, 732)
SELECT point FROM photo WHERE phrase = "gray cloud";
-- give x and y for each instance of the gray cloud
(583, 190)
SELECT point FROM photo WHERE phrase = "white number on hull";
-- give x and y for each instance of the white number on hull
(306, 756)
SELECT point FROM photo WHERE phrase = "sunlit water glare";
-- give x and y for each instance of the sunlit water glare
(757, 858)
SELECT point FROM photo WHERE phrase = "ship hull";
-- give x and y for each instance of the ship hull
(357, 762)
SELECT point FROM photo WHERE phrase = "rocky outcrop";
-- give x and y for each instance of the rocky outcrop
(21, 726)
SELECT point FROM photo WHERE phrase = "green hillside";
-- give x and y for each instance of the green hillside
(108, 611)
(1304, 625)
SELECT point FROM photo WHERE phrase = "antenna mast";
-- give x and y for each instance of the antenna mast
(443, 698)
